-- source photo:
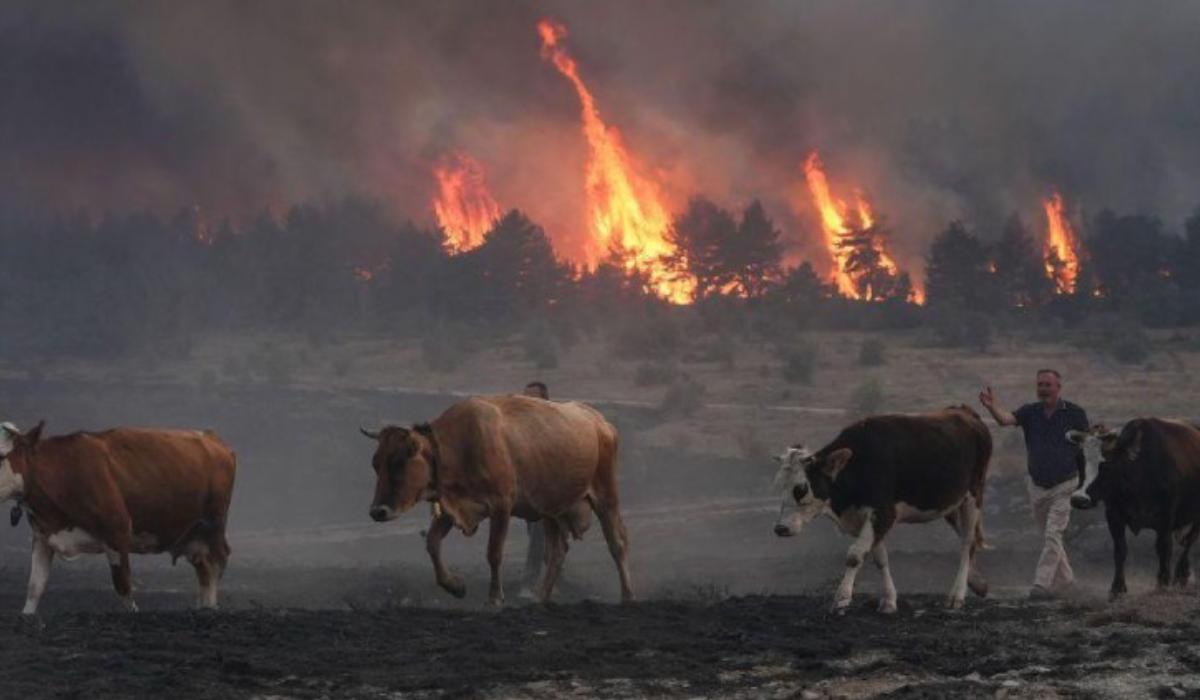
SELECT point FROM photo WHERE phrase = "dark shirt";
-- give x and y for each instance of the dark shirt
(1053, 458)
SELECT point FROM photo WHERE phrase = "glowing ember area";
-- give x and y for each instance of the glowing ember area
(465, 209)
(625, 212)
(1062, 246)
(840, 234)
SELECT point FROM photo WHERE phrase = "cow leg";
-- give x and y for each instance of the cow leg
(122, 576)
(433, 545)
(1163, 546)
(207, 574)
(968, 517)
(887, 602)
(497, 533)
(556, 552)
(1116, 529)
(618, 543)
(975, 580)
(535, 556)
(39, 574)
(863, 543)
(1183, 568)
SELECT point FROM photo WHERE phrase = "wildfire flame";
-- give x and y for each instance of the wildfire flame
(838, 228)
(625, 211)
(464, 207)
(1062, 246)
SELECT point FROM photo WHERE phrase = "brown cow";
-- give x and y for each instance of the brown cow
(502, 456)
(118, 492)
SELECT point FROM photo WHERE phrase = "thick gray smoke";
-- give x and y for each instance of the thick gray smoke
(938, 110)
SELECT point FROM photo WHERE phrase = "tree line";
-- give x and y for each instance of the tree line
(71, 285)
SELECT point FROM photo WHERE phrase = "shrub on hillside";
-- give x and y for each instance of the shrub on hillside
(799, 363)
(654, 374)
(867, 397)
(683, 398)
(652, 336)
(871, 353)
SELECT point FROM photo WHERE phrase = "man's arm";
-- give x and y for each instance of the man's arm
(988, 399)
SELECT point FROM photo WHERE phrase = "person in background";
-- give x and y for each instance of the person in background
(536, 554)
(1056, 468)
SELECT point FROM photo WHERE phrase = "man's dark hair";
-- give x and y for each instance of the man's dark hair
(1051, 371)
(537, 389)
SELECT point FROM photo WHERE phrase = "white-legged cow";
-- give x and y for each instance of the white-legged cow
(120, 492)
(1147, 476)
(890, 469)
(496, 457)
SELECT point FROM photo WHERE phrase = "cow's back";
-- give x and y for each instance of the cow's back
(919, 459)
(546, 452)
(170, 479)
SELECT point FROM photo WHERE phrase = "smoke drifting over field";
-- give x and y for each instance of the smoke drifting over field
(937, 110)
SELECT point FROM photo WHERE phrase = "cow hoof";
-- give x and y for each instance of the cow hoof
(455, 587)
(495, 603)
(887, 607)
(29, 622)
(840, 609)
(1114, 596)
(955, 603)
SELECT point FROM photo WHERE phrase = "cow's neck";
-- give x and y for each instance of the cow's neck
(34, 499)
(434, 461)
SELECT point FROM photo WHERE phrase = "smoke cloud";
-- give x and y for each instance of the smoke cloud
(937, 110)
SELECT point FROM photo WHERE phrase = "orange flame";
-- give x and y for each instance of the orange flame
(464, 207)
(837, 227)
(626, 211)
(1062, 246)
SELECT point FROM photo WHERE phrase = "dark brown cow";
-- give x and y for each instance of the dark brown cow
(893, 469)
(1148, 476)
(119, 492)
(501, 456)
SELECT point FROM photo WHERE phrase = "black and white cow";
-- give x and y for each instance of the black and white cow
(1147, 476)
(892, 469)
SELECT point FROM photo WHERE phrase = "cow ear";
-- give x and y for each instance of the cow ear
(1077, 437)
(836, 461)
(34, 434)
(1133, 448)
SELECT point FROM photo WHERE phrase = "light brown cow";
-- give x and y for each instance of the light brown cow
(501, 456)
(119, 492)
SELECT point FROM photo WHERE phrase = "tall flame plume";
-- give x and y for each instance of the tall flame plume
(626, 213)
(838, 228)
(464, 207)
(1062, 246)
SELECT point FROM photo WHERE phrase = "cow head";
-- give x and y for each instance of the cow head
(806, 480)
(12, 480)
(403, 470)
(1100, 448)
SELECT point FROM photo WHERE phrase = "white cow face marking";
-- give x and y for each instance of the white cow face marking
(11, 483)
(1093, 443)
(800, 505)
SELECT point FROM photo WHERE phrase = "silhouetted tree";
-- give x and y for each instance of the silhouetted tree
(1017, 271)
(956, 271)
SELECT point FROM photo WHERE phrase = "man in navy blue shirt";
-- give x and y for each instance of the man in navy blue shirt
(1056, 468)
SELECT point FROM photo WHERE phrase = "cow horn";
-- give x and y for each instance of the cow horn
(368, 433)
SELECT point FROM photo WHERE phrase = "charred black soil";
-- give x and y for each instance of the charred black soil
(756, 646)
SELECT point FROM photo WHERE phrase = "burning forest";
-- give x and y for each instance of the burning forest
(320, 300)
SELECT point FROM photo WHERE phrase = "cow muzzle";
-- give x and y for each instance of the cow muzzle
(1082, 501)
(783, 530)
(382, 514)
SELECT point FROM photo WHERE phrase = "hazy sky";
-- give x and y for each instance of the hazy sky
(937, 110)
